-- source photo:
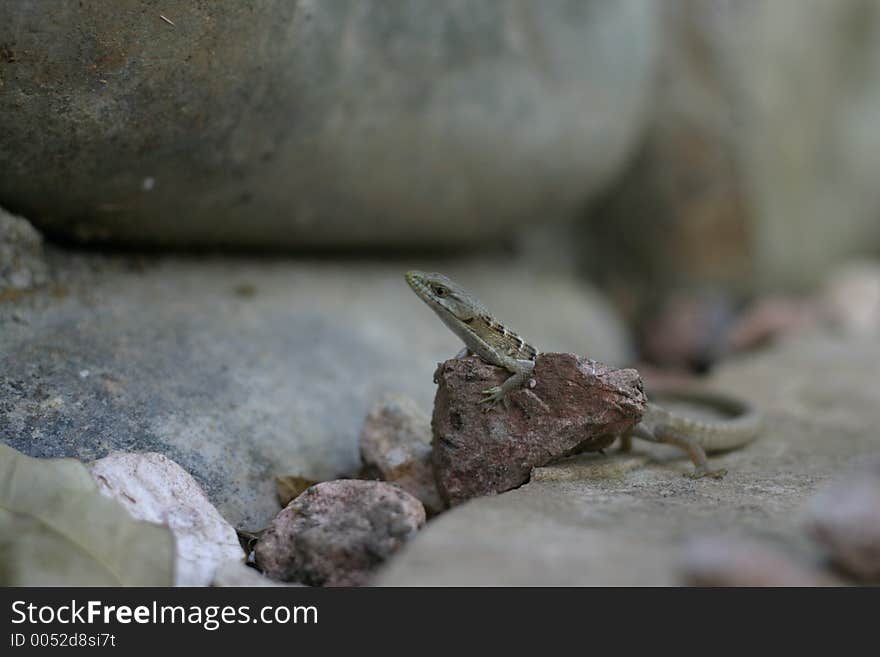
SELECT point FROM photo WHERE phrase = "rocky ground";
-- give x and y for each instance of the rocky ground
(706, 165)
(627, 520)
(244, 369)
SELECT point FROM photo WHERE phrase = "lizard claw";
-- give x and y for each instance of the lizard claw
(493, 395)
(700, 473)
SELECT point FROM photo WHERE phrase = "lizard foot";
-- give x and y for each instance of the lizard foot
(492, 395)
(699, 473)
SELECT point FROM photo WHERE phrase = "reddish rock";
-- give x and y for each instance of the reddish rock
(395, 446)
(575, 405)
(337, 532)
(845, 520)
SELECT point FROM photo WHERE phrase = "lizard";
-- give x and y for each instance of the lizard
(489, 339)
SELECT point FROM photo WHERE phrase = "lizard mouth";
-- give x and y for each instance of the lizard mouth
(420, 283)
(416, 280)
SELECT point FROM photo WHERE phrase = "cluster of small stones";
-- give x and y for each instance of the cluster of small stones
(337, 533)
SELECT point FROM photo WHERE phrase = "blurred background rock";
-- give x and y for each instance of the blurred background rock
(670, 182)
(758, 165)
(300, 125)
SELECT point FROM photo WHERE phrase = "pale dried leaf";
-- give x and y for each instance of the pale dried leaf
(57, 530)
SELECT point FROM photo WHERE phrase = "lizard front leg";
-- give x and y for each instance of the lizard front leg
(522, 371)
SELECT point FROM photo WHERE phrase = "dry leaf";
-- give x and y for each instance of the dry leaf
(56, 529)
(290, 486)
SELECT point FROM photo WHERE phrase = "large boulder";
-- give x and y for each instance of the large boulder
(323, 124)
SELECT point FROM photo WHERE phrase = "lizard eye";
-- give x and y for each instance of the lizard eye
(440, 291)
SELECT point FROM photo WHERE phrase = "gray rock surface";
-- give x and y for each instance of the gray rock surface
(625, 519)
(315, 124)
(240, 369)
(338, 532)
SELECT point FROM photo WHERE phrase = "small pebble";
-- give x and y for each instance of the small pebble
(395, 445)
(338, 532)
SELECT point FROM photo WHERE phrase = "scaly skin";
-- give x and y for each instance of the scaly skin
(486, 337)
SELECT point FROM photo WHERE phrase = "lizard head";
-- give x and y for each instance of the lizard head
(444, 296)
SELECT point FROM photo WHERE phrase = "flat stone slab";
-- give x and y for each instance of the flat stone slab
(243, 369)
(624, 519)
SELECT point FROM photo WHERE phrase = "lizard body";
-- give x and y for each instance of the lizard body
(486, 337)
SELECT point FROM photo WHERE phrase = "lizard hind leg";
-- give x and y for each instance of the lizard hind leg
(694, 450)
(669, 436)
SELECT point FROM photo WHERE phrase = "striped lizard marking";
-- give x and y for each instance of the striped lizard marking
(486, 337)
